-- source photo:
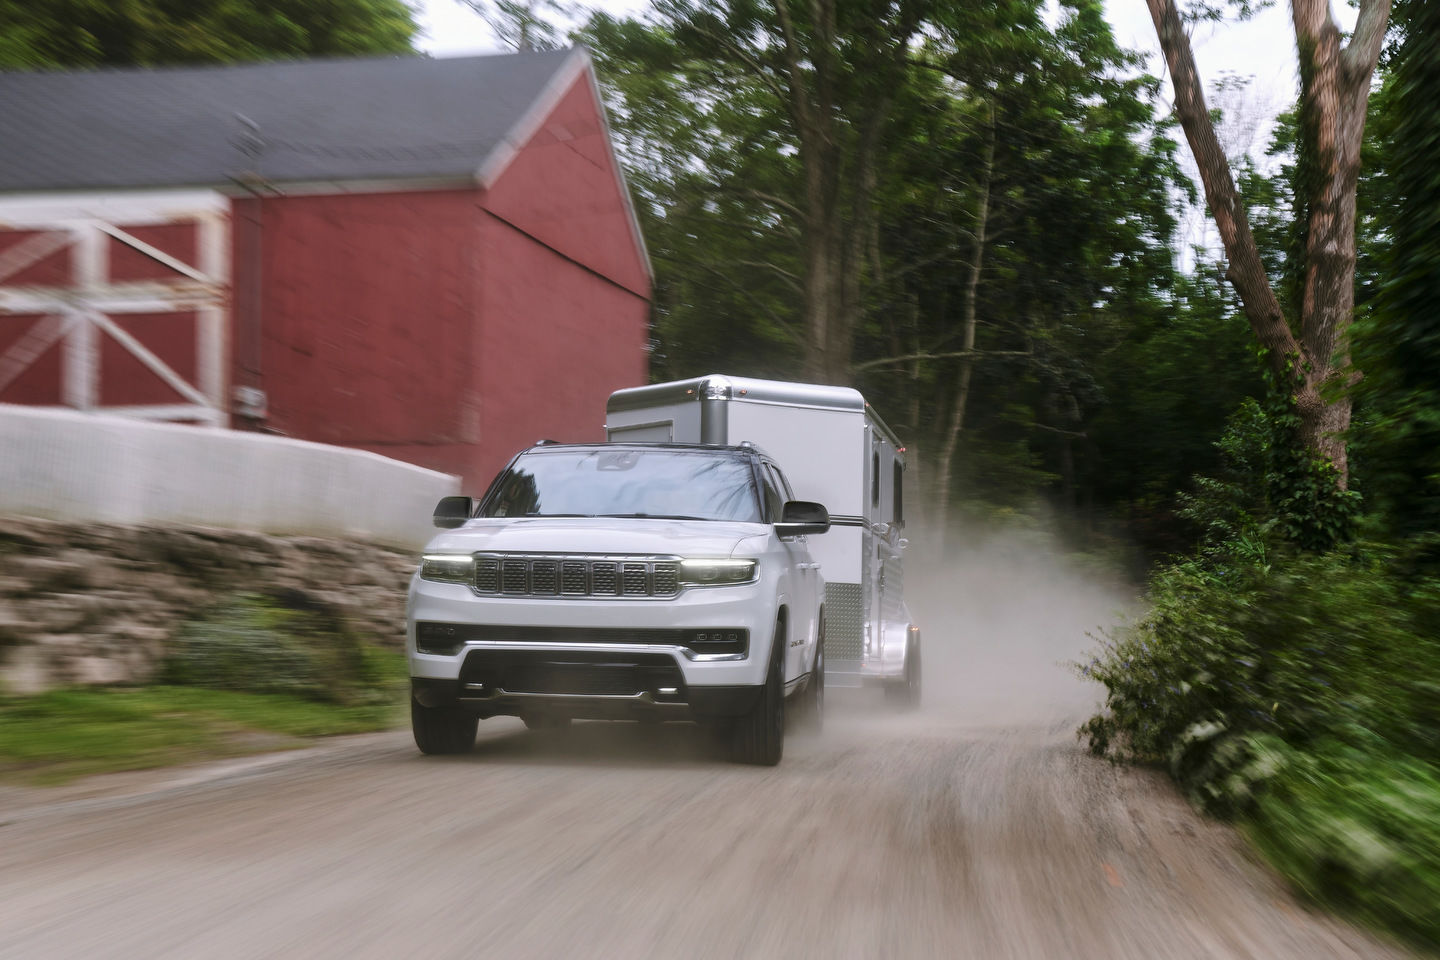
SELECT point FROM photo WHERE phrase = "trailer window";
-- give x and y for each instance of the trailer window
(899, 481)
(875, 478)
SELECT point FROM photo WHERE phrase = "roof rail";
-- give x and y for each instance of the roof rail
(545, 442)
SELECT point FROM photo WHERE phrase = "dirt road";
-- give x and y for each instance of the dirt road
(977, 828)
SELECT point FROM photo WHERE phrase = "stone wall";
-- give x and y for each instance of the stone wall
(96, 603)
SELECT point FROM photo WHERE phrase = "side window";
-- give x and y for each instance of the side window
(899, 499)
(774, 500)
(875, 479)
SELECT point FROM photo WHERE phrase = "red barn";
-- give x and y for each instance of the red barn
(436, 260)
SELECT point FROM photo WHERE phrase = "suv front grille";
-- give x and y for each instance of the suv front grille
(548, 576)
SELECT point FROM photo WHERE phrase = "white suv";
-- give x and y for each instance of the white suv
(626, 581)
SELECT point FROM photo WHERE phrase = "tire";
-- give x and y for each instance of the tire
(809, 712)
(906, 693)
(440, 730)
(759, 736)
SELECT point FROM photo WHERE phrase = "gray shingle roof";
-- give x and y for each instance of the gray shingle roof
(320, 120)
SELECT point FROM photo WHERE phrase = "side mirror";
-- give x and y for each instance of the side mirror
(452, 512)
(801, 517)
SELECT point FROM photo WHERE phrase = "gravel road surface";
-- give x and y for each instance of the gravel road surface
(975, 828)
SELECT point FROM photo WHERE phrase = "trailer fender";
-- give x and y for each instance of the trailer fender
(897, 639)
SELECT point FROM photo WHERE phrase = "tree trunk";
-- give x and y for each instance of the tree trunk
(837, 221)
(1335, 88)
(967, 361)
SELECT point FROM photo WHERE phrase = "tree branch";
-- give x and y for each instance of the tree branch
(1246, 272)
(974, 354)
(1363, 49)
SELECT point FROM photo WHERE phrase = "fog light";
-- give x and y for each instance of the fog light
(443, 639)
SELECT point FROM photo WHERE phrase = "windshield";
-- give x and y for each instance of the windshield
(676, 484)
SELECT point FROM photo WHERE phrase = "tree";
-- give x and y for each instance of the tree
(1022, 218)
(1335, 88)
(89, 33)
(1400, 340)
(522, 25)
(826, 75)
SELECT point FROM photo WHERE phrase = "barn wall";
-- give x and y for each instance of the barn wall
(563, 189)
(367, 313)
(556, 340)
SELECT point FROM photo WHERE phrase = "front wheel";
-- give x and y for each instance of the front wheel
(759, 736)
(442, 729)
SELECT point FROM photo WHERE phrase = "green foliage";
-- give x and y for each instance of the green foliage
(1083, 323)
(522, 25)
(1340, 645)
(1398, 341)
(283, 643)
(1271, 490)
(57, 736)
(1358, 828)
(88, 33)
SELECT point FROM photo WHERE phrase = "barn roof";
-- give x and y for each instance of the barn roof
(317, 120)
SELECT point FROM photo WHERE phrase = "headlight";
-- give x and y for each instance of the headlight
(709, 572)
(448, 567)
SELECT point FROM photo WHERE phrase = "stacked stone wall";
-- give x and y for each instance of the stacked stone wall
(86, 604)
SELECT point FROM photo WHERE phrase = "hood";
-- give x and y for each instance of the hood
(701, 538)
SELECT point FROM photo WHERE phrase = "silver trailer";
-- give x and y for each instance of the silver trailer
(837, 451)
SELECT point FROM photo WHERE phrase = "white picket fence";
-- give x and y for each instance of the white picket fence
(68, 465)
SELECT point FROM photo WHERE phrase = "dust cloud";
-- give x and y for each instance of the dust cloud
(1002, 620)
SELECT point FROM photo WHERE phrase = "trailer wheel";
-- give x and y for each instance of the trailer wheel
(759, 736)
(442, 729)
(905, 694)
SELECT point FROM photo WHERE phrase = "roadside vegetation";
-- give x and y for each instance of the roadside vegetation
(1288, 671)
(257, 672)
(1287, 675)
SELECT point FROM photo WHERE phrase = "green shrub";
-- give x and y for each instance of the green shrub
(1335, 646)
(283, 642)
(1301, 694)
(1358, 829)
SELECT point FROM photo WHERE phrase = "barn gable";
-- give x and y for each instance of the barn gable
(569, 192)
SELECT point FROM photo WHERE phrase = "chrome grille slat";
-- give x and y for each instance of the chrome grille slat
(602, 578)
(519, 575)
(516, 576)
(487, 575)
(636, 580)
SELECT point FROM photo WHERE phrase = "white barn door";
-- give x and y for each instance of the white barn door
(117, 303)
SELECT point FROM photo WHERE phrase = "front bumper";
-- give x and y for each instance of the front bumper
(519, 656)
(697, 703)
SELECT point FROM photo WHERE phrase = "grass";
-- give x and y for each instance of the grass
(58, 736)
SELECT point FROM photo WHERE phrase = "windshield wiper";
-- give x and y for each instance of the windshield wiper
(652, 516)
(526, 516)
